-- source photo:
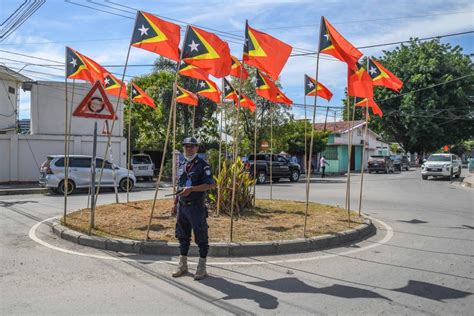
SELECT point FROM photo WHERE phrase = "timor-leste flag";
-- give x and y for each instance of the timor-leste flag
(282, 98)
(156, 35)
(334, 44)
(370, 103)
(140, 96)
(265, 52)
(265, 87)
(185, 96)
(209, 89)
(381, 76)
(246, 102)
(206, 51)
(79, 66)
(112, 86)
(359, 83)
(229, 92)
(193, 72)
(311, 88)
(237, 69)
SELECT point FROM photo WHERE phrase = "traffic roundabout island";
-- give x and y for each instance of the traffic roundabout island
(272, 227)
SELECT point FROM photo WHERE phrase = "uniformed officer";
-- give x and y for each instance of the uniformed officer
(194, 179)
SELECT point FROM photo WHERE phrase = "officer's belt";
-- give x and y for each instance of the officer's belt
(192, 202)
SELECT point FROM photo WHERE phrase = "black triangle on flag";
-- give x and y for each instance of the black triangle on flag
(143, 30)
(202, 85)
(193, 46)
(325, 40)
(73, 62)
(373, 71)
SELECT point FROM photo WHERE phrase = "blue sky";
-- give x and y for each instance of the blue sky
(105, 37)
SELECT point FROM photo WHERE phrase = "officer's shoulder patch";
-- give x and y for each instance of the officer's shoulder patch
(207, 169)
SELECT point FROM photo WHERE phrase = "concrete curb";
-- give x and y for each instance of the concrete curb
(23, 191)
(223, 249)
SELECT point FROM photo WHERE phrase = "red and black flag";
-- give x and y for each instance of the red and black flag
(334, 44)
(383, 77)
(246, 102)
(237, 69)
(265, 87)
(140, 96)
(282, 98)
(209, 89)
(311, 88)
(156, 35)
(359, 83)
(229, 92)
(112, 86)
(79, 66)
(370, 103)
(185, 96)
(265, 52)
(207, 51)
(193, 72)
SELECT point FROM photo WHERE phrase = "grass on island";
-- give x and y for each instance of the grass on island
(269, 220)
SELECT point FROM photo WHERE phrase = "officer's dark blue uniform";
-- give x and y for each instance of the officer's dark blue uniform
(191, 211)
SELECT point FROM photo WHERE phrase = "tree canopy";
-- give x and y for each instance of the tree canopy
(434, 107)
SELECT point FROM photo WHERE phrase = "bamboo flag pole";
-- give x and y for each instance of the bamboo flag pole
(65, 146)
(236, 140)
(308, 171)
(362, 165)
(194, 108)
(173, 158)
(129, 138)
(172, 115)
(109, 138)
(349, 155)
(219, 164)
(255, 157)
(305, 159)
(326, 119)
(271, 153)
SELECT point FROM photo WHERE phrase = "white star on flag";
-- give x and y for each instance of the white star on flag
(227, 88)
(202, 84)
(143, 30)
(134, 91)
(194, 46)
(326, 36)
(106, 81)
(310, 84)
(373, 70)
(73, 62)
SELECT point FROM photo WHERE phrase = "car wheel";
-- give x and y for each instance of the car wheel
(71, 186)
(407, 168)
(386, 170)
(124, 183)
(275, 179)
(424, 177)
(295, 176)
(261, 177)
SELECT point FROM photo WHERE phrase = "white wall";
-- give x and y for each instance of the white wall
(20, 155)
(48, 109)
(8, 104)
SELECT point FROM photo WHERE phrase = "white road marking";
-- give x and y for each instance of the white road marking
(387, 237)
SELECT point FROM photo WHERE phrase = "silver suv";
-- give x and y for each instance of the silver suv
(441, 165)
(79, 174)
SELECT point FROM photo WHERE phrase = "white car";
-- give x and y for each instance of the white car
(143, 166)
(79, 174)
(441, 165)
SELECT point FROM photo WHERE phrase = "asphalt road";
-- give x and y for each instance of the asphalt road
(420, 261)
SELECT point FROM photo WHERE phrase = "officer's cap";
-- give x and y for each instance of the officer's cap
(190, 141)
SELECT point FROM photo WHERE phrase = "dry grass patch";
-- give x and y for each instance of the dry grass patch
(269, 220)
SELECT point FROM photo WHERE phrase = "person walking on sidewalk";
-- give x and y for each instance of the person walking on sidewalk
(322, 164)
(194, 179)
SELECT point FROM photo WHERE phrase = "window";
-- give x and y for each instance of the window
(60, 162)
(281, 159)
(141, 160)
(331, 153)
(11, 90)
(80, 162)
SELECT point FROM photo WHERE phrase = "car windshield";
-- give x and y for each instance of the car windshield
(376, 157)
(439, 158)
(395, 157)
(141, 160)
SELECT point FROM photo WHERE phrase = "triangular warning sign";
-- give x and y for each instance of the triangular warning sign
(96, 104)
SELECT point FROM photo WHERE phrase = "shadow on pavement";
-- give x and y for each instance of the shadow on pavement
(237, 291)
(413, 221)
(431, 291)
(294, 285)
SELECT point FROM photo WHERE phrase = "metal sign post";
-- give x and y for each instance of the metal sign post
(93, 165)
